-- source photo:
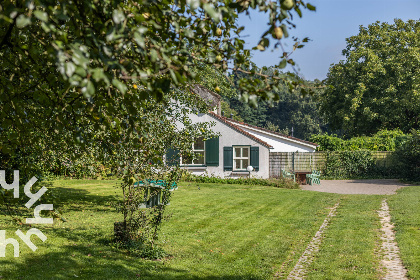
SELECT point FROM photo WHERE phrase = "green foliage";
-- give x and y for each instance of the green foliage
(77, 68)
(348, 164)
(327, 142)
(384, 140)
(229, 112)
(289, 110)
(376, 87)
(408, 155)
(109, 79)
(141, 250)
(272, 182)
(215, 80)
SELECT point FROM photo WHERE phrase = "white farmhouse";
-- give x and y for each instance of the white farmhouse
(240, 145)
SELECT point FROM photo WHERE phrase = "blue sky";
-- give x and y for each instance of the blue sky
(328, 27)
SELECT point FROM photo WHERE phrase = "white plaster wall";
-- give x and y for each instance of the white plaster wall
(230, 137)
(279, 144)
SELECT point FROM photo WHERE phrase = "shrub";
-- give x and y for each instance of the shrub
(327, 142)
(349, 164)
(272, 182)
(408, 156)
(384, 140)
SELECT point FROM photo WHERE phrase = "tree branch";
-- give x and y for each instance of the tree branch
(5, 40)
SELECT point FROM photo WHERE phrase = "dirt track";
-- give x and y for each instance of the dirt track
(383, 186)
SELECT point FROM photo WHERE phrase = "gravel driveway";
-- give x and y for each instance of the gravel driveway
(383, 186)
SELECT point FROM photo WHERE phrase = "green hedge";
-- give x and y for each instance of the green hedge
(272, 182)
(408, 156)
(355, 165)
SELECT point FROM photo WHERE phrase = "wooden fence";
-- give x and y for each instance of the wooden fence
(314, 161)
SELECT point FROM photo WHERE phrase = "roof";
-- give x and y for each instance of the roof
(238, 129)
(210, 97)
(272, 132)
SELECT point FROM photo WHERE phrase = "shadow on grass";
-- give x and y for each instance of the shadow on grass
(75, 199)
(75, 261)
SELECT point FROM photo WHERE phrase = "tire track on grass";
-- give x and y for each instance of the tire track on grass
(300, 269)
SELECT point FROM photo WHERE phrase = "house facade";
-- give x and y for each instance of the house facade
(239, 145)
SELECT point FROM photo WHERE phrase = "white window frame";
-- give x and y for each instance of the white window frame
(241, 157)
(193, 151)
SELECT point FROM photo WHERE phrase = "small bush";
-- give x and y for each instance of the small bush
(408, 156)
(142, 250)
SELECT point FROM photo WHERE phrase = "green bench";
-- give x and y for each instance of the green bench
(153, 194)
(313, 178)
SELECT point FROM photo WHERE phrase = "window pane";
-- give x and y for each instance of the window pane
(237, 152)
(199, 158)
(186, 159)
(199, 144)
(245, 163)
(244, 152)
(237, 164)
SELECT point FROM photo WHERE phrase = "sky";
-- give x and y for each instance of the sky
(328, 28)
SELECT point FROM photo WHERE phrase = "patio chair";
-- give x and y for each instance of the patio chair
(289, 175)
(313, 178)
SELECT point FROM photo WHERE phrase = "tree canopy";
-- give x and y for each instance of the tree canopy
(289, 109)
(377, 86)
(71, 65)
(112, 78)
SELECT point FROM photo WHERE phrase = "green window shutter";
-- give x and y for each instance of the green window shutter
(227, 158)
(172, 157)
(212, 152)
(255, 158)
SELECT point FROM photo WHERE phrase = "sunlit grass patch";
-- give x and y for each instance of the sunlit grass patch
(405, 212)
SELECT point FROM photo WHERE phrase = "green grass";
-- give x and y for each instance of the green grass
(405, 212)
(348, 249)
(215, 232)
(241, 232)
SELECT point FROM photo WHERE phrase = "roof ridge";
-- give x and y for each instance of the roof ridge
(274, 132)
(226, 121)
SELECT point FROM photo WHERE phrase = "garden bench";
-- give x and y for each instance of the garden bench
(313, 178)
(153, 194)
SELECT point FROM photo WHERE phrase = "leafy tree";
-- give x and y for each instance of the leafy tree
(289, 109)
(105, 74)
(298, 112)
(377, 86)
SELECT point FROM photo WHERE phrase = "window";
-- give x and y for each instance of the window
(197, 157)
(240, 157)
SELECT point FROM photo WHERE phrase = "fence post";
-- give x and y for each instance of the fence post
(293, 161)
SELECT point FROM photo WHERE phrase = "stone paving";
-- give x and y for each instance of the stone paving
(300, 269)
(391, 261)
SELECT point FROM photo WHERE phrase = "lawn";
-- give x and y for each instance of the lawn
(405, 212)
(215, 232)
